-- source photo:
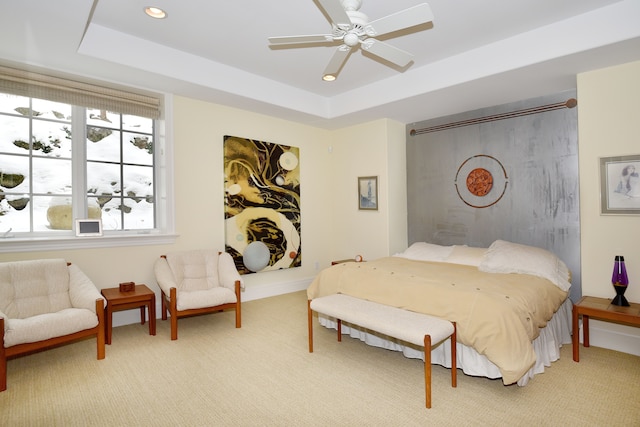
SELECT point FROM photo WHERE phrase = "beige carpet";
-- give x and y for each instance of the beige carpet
(263, 375)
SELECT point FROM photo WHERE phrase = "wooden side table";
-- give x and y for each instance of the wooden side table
(141, 296)
(602, 309)
(340, 261)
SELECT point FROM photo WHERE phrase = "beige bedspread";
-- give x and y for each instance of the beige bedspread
(499, 315)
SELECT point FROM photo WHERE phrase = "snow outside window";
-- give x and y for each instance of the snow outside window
(59, 163)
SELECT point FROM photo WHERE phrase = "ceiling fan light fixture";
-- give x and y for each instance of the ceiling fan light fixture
(155, 12)
(351, 4)
(353, 29)
(351, 39)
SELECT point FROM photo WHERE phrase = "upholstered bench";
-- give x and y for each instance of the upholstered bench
(416, 328)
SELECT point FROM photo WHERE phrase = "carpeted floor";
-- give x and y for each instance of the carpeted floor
(263, 375)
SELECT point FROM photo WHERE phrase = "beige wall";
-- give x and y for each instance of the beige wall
(396, 191)
(199, 183)
(199, 128)
(371, 149)
(332, 227)
(609, 113)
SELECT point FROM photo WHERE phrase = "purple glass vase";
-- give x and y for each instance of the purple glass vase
(620, 281)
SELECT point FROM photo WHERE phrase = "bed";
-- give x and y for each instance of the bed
(509, 301)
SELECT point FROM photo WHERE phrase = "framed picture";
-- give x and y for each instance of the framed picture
(368, 193)
(620, 185)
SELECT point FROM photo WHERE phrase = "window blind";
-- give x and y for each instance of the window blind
(36, 85)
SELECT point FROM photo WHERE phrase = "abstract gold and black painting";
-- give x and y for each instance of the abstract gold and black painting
(262, 204)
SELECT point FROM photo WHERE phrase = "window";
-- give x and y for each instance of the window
(62, 161)
(120, 175)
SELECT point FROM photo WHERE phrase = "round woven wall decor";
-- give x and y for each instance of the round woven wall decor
(479, 182)
(482, 177)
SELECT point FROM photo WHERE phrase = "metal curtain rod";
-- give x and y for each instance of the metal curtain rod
(570, 103)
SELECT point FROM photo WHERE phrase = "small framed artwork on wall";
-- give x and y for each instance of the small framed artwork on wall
(368, 193)
(620, 185)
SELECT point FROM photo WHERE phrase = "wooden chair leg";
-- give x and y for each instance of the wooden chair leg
(427, 369)
(163, 301)
(238, 316)
(310, 321)
(173, 312)
(238, 306)
(3, 358)
(100, 338)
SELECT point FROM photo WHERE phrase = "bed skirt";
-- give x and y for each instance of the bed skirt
(546, 346)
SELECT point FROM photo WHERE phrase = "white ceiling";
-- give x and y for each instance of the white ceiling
(476, 53)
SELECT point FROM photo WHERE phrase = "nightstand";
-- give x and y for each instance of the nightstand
(340, 261)
(357, 258)
(601, 309)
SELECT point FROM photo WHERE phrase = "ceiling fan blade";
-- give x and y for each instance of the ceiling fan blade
(336, 13)
(337, 60)
(316, 38)
(413, 16)
(387, 52)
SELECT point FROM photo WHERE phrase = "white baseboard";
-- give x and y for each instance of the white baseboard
(613, 336)
(275, 289)
(128, 317)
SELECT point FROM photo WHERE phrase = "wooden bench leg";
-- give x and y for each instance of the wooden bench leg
(427, 369)
(454, 357)
(310, 318)
(427, 364)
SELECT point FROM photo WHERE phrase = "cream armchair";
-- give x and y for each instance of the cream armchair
(197, 282)
(44, 303)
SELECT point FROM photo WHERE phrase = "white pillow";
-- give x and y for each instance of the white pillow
(507, 257)
(422, 251)
(466, 255)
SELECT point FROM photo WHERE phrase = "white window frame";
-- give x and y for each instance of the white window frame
(164, 231)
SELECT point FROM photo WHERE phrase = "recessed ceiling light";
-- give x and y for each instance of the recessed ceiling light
(328, 77)
(155, 12)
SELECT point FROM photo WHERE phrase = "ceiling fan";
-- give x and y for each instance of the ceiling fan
(353, 29)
